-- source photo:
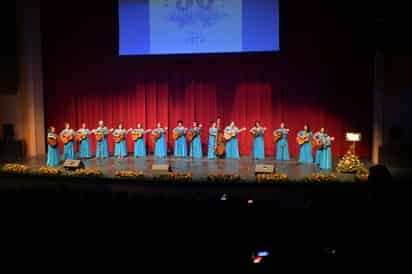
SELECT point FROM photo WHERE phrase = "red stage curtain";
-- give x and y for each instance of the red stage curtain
(318, 77)
(170, 97)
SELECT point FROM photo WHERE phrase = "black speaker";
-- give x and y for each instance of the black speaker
(73, 164)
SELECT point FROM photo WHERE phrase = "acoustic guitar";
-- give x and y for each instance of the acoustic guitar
(80, 137)
(118, 137)
(156, 136)
(317, 143)
(257, 132)
(277, 136)
(52, 141)
(177, 134)
(66, 138)
(99, 136)
(190, 135)
(302, 139)
(136, 136)
(228, 136)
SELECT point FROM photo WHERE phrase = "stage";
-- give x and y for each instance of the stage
(202, 168)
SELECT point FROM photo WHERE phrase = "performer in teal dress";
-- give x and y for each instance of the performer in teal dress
(282, 148)
(180, 141)
(120, 146)
(160, 143)
(68, 148)
(318, 137)
(258, 141)
(52, 150)
(196, 143)
(139, 143)
(211, 154)
(102, 147)
(232, 145)
(326, 154)
(84, 144)
(305, 149)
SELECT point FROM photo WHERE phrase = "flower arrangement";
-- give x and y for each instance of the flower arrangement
(223, 178)
(89, 172)
(271, 177)
(15, 168)
(50, 171)
(362, 175)
(128, 174)
(349, 163)
(320, 178)
(181, 177)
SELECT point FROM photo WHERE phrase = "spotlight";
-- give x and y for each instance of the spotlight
(250, 201)
(257, 260)
(263, 253)
(224, 197)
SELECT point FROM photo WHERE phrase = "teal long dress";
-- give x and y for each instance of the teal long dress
(212, 142)
(68, 148)
(282, 147)
(326, 154)
(258, 143)
(305, 149)
(52, 153)
(196, 145)
(180, 143)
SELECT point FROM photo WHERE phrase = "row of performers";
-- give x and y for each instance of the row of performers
(221, 143)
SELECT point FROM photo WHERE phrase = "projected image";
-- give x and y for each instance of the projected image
(197, 26)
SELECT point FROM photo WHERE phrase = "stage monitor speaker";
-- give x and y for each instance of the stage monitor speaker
(73, 164)
(159, 169)
(264, 168)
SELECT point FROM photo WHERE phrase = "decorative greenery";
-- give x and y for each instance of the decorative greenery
(362, 175)
(129, 174)
(223, 178)
(176, 177)
(50, 171)
(272, 177)
(87, 172)
(320, 178)
(15, 169)
(349, 163)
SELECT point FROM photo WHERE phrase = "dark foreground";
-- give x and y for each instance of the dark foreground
(50, 225)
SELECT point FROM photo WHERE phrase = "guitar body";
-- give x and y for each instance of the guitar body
(80, 137)
(190, 135)
(317, 143)
(176, 135)
(220, 147)
(118, 138)
(277, 136)
(52, 141)
(156, 137)
(256, 133)
(227, 136)
(67, 138)
(302, 139)
(99, 136)
(136, 136)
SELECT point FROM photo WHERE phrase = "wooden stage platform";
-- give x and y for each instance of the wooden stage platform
(200, 169)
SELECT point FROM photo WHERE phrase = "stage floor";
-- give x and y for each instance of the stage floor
(199, 169)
